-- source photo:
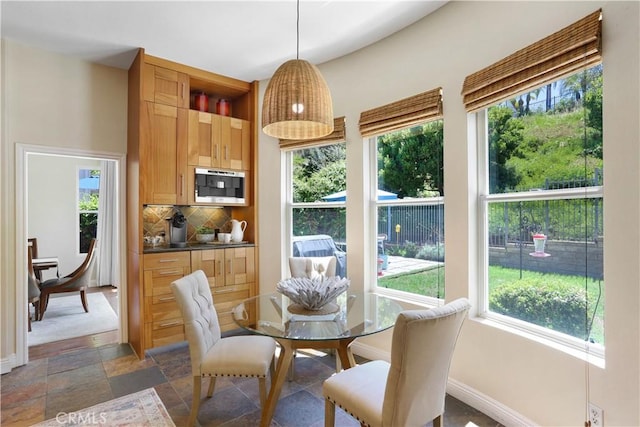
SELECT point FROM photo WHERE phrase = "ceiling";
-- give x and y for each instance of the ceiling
(247, 40)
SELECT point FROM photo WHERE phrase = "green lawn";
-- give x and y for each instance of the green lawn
(431, 283)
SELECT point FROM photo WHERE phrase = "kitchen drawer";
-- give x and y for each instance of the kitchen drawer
(167, 260)
(168, 334)
(231, 293)
(158, 281)
(161, 308)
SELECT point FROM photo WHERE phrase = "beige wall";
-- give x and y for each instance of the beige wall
(542, 384)
(52, 101)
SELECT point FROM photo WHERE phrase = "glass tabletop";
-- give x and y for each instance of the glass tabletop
(352, 315)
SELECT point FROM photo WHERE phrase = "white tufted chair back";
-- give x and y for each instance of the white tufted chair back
(421, 351)
(312, 267)
(200, 317)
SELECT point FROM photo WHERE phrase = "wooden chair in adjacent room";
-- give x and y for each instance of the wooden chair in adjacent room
(78, 281)
(211, 355)
(409, 391)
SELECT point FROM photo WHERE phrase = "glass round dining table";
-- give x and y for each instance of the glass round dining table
(352, 315)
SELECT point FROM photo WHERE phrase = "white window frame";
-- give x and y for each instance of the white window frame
(374, 204)
(290, 205)
(565, 342)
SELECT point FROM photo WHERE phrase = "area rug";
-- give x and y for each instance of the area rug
(141, 409)
(65, 318)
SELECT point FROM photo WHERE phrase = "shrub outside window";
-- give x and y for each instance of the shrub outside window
(541, 193)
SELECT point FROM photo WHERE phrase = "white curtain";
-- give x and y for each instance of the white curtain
(108, 256)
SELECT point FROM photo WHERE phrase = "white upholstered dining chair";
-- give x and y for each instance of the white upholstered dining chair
(211, 355)
(312, 267)
(409, 391)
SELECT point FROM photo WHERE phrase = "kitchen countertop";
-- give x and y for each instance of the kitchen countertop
(194, 247)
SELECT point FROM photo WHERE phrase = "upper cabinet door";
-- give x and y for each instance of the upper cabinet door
(203, 151)
(235, 143)
(163, 155)
(164, 86)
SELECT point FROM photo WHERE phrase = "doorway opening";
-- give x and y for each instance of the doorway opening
(58, 211)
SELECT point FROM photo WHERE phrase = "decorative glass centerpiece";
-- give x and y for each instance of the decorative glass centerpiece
(313, 295)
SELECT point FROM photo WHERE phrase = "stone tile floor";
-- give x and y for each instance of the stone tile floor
(84, 377)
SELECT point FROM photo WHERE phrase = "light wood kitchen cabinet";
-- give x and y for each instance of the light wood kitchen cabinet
(162, 317)
(165, 86)
(160, 171)
(231, 274)
(218, 141)
(164, 151)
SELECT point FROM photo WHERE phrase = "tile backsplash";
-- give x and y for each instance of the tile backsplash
(155, 219)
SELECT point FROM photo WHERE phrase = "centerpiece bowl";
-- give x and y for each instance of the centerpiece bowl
(312, 294)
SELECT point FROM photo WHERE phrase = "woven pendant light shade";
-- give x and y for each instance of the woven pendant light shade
(297, 103)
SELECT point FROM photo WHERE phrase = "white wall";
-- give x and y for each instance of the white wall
(533, 379)
(56, 102)
(52, 208)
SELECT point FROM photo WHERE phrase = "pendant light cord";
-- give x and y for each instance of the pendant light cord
(298, 30)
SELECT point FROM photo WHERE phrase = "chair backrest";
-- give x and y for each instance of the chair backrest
(33, 244)
(32, 281)
(200, 318)
(312, 267)
(421, 351)
(81, 276)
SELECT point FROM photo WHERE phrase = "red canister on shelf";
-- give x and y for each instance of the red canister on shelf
(201, 101)
(223, 107)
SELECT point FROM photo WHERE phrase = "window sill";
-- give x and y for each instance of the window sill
(577, 349)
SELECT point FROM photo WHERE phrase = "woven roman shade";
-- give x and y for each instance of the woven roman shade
(410, 111)
(577, 46)
(338, 135)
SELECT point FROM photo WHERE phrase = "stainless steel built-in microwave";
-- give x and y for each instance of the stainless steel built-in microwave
(220, 187)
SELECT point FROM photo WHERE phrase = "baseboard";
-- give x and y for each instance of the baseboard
(7, 363)
(485, 404)
(470, 396)
(369, 352)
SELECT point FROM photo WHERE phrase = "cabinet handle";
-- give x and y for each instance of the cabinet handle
(184, 86)
(230, 267)
(168, 260)
(181, 185)
(223, 291)
(170, 272)
(166, 299)
(164, 325)
(215, 151)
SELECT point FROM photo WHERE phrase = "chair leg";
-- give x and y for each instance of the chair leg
(438, 421)
(329, 413)
(262, 385)
(44, 303)
(195, 402)
(212, 385)
(291, 373)
(83, 297)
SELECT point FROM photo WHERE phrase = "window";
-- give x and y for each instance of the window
(315, 171)
(88, 196)
(541, 193)
(409, 205)
(317, 183)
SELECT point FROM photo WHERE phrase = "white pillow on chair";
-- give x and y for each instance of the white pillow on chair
(312, 267)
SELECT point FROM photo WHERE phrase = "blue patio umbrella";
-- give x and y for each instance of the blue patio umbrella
(341, 196)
